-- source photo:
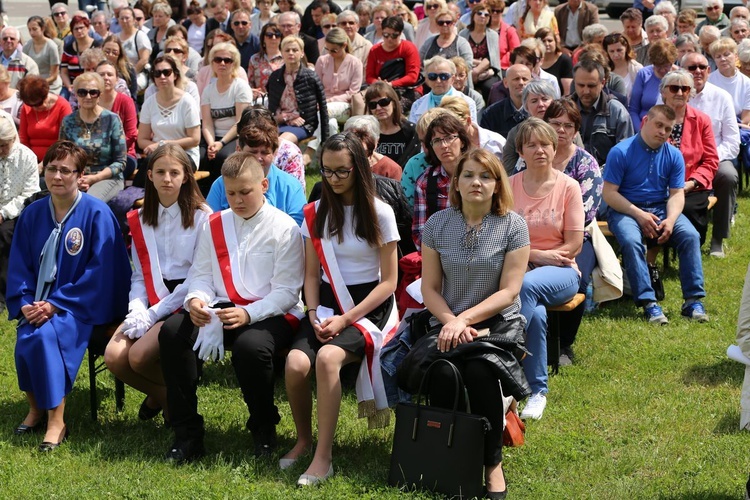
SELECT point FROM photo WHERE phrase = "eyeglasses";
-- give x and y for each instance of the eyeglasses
(158, 73)
(445, 22)
(60, 14)
(62, 171)
(8, 39)
(385, 101)
(342, 173)
(676, 88)
(497, 11)
(88, 92)
(444, 77)
(80, 27)
(274, 34)
(566, 125)
(693, 67)
(713, 7)
(327, 26)
(347, 23)
(392, 36)
(224, 60)
(432, 6)
(483, 14)
(139, 19)
(444, 141)
(241, 23)
(175, 50)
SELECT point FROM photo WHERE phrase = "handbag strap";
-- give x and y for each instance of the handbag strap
(457, 379)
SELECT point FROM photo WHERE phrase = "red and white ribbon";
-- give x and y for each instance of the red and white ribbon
(145, 247)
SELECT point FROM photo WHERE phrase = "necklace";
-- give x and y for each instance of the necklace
(470, 240)
(87, 133)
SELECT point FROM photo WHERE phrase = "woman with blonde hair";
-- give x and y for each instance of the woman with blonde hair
(296, 95)
(406, 14)
(115, 54)
(341, 74)
(446, 43)
(100, 133)
(327, 23)
(10, 101)
(222, 103)
(429, 26)
(537, 15)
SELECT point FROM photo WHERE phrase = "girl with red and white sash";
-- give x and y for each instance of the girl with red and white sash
(165, 234)
(352, 236)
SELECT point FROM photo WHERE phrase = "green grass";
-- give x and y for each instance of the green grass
(646, 412)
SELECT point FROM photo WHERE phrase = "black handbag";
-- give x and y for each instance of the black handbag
(437, 449)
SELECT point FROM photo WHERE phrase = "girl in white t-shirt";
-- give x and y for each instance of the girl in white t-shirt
(165, 234)
(360, 234)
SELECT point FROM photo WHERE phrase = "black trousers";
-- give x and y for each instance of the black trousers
(6, 236)
(253, 348)
(696, 211)
(485, 396)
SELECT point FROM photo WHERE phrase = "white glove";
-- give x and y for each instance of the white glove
(210, 341)
(130, 327)
(138, 322)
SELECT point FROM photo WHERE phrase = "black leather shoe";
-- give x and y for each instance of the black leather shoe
(23, 429)
(48, 446)
(265, 442)
(497, 495)
(185, 451)
(146, 412)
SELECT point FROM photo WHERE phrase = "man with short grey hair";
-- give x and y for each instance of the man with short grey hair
(718, 105)
(17, 63)
(708, 35)
(657, 28)
(668, 12)
(348, 21)
(289, 23)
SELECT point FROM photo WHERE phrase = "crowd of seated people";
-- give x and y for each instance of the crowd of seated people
(640, 128)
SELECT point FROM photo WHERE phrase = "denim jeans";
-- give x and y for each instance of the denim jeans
(543, 286)
(684, 238)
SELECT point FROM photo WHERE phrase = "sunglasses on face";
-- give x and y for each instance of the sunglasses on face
(497, 11)
(385, 101)
(60, 14)
(175, 50)
(158, 73)
(328, 26)
(676, 88)
(483, 14)
(392, 36)
(241, 23)
(274, 34)
(139, 19)
(443, 77)
(693, 67)
(432, 6)
(225, 60)
(8, 39)
(88, 92)
(445, 22)
(712, 8)
(348, 23)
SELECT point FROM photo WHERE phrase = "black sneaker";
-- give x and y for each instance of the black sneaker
(656, 282)
(566, 356)
(265, 442)
(185, 451)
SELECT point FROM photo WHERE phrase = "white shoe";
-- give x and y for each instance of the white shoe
(312, 479)
(534, 407)
(285, 463)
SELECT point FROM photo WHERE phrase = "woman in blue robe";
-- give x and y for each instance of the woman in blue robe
(69, 271)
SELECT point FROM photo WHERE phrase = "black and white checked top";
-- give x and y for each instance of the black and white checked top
(473, 261)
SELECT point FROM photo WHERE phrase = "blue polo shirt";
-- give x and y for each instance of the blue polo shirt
(284, 192)
(644, 175)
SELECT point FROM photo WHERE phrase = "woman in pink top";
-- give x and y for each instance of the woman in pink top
(552, 205)
(41, 115)
(341, 74)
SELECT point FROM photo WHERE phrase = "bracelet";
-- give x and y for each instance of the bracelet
(312, 309)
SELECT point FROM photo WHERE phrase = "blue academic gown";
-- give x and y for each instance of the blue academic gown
(92, 286)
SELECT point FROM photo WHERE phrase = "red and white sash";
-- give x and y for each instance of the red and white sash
(373, 402)
(145, 247)
(224, 238)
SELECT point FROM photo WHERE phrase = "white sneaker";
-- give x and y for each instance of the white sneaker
(534, 407)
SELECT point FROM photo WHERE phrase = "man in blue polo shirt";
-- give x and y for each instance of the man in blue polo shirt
(261, 139)
(644, 186)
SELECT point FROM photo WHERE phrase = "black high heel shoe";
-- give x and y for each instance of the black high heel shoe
(24, 429)
(48, 446)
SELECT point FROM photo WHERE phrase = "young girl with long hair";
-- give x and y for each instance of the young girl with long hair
(352, 235)
(165, 234)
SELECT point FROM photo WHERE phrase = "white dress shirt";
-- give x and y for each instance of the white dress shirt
(19, 179)
(717, 104)
(271, 259)
(175, 248)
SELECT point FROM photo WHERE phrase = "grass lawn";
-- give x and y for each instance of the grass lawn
(646, 412)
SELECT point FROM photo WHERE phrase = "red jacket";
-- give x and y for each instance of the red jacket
(698, 148)
(406, 50)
